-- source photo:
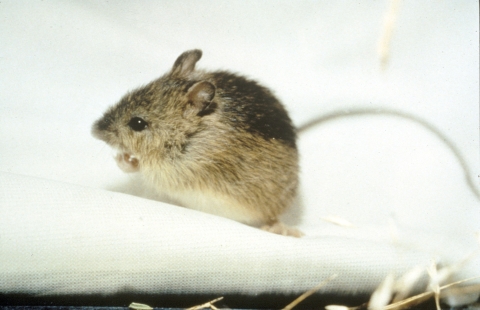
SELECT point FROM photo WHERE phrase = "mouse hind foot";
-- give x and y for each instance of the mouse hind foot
(281, 229)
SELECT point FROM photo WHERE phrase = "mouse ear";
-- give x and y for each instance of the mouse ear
(200, 96)
(185, 63)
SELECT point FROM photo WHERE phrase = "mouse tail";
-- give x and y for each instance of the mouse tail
(352, 112)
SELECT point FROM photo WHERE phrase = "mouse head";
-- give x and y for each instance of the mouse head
(156, 120)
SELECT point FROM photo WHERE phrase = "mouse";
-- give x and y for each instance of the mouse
(221, 143)
(213, 141)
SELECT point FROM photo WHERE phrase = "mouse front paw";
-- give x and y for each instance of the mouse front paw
(282, 229)
(127, 162)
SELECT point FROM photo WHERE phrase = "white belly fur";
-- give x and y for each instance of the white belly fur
(211, 203)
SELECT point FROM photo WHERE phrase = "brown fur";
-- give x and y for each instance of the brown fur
(213, 141)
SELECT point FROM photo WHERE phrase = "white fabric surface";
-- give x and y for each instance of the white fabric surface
(63, 230)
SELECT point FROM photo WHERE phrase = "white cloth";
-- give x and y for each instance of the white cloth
(63, 230)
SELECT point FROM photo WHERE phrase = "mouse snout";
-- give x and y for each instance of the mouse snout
(103, 123)
(102, 127)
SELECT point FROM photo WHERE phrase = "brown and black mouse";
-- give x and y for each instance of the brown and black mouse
(212, 141)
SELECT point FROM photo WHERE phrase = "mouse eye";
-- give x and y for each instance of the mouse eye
(137, 124)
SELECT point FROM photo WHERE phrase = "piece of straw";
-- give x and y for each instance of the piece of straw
(206, 305)
(308, 293)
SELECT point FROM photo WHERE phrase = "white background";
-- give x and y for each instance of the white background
(62, 63)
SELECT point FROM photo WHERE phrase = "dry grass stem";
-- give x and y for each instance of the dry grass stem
(404, 285)
(414, 300)
(207, 305)
(435, 281)
(337, 307)
(383, 294)
(138, 306)
(337, 221)
(411, 301)
(308, 293)
(461, 290)
(458, 282)
(387, 30)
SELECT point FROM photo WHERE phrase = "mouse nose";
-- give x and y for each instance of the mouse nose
(101, 126)
(103, 123)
